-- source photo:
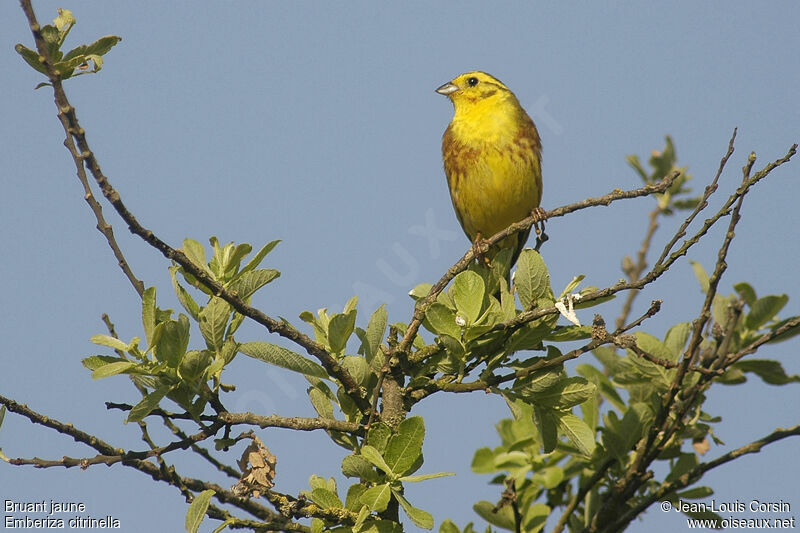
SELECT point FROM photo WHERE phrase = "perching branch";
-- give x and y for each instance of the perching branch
(422, 305)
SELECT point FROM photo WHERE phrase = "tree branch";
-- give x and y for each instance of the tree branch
(296, 422)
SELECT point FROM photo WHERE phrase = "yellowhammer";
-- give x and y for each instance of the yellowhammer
(492, 158)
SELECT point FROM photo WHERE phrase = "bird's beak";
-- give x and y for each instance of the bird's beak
(447, 89)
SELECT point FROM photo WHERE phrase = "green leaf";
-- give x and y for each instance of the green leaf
(619, 436)
(769, 371)
(236, 321)
(531, 278)
(591, 411)
(101, 46)
(539, 381)
(655, 347)
(316, 482)
(326, 498)
(372, 455)
(577, 432)
(676, 338)
(196, 253)
(227, 259)
(746, 292)
(357, 466)
(147, 404)
(111, 342)
(339, 330)
(149, 314)
(350, 305)
(546, 421)
(53, 39)
(788, 334)
(685, 463)
(483, 461)
(282, 357)
(352, 501)
(468, 292)
(511, 460)
(357, 367)
(503, 518)
(197, 510)
(701, 275)
(405, 448)
(194, 364)
(569, 333)
(633, 161)
(31, 58)
(377, 498)
(64, 23)
(184, 297)
(256, 260)
(566, 393)
(603, 384)
(549, 477)
(112, 369)
(447, 526)
(420, 518)
(535, 517)
(423, 477)
(373, 335)
(420, 291)
(440, 319)
(379, 435)
(572, 285)
(213, 321)
(173, 341)
(764, 310)
(321, 402)
(248, 283)
(720, 308)
(528, 337)
(348, 407)
(696, 493)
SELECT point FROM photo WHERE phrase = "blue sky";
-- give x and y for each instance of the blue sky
(317, 124)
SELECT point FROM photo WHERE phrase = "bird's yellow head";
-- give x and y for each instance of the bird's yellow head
(476, 88)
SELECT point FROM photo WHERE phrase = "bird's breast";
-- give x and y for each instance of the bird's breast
(494, 176)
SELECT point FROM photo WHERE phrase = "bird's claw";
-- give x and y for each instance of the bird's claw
(540, 215)
(479, 249)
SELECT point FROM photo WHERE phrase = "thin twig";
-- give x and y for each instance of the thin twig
(709, 190)
(638, 267)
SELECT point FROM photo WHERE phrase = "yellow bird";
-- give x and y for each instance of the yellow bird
(492, 159)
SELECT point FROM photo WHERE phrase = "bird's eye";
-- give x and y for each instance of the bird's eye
(472, 82)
